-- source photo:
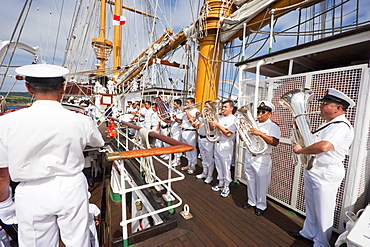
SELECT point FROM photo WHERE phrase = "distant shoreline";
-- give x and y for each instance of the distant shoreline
(17, 99)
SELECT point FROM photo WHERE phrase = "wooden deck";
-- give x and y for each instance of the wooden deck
(219, 221)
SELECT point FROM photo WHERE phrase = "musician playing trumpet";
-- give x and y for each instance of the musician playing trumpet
(321, 182)
(258, 167)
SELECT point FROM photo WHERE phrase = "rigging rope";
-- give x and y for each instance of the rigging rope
(146, 164)
(18, 37)
(57, 37)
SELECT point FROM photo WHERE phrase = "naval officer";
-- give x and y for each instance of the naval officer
(258, 166)
(332, 142)
(42, 148)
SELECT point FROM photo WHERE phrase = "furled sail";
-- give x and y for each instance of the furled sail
(234, 22)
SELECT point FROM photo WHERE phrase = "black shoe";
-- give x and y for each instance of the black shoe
(259, 212)
(246, 205)
(296, 235)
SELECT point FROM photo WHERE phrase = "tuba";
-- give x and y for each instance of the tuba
(244, 122)
(209, 114)
(297, 101)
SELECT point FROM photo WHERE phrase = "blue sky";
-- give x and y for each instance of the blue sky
(43, 21)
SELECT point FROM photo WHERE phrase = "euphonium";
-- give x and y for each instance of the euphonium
(211, 113)
(244, 122)
(297, 101)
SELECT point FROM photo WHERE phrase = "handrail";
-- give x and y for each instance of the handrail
(176, 146)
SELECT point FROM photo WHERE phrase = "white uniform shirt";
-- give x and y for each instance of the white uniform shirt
(142, 111)
(130, 109)
(93, 211)
(155, 121)
(45, 140)
(149, 115)
(185, 121)
(228, 123)
(175, 124)
(271, 129)
(340, 135)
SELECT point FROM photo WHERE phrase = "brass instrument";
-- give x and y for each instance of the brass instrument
(196, 105)
(211, 113)
(163, 108)
(244, 122)
(297, 101)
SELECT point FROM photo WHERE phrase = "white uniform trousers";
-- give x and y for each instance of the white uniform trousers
(176, 134)
(49, 205)
(93, 235)
(321, 186)
(165, 132)
(258, 175)
(206, 149)
(223, 156)
(190, 137)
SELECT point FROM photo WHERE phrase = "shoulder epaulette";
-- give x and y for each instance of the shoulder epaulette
(12, 110)
(78, 112)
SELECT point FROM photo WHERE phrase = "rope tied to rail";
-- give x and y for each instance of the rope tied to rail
(146, 163)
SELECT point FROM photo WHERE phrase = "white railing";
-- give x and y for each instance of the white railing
(169, 196)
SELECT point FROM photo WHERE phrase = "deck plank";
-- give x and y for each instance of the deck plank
(220, 221)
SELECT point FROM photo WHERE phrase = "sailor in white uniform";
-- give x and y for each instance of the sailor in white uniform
(206, 149)
(189, 135)
(42, 146)
(258, 167)
(176, 128)
(223, 150)
(94, 213)
(321, 182)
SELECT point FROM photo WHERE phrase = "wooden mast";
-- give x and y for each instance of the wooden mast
(117, 34)
(102, 47)
(210, 49)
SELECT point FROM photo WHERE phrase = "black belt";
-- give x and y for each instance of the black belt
(188, 129)
(141, 120)
(202, 137)
(165, 127)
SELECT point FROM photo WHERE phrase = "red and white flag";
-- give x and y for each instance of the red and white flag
(119, 20)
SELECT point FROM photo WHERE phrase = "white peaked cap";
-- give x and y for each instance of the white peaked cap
(42, 71)
(264, 104)
(337, 96)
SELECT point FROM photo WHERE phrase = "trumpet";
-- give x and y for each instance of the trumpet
(255, 144)
(196, 105)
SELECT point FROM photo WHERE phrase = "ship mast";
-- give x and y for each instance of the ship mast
(102, 47)
(210, 49)
(117, 34)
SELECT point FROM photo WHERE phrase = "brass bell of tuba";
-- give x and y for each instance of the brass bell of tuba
(244, 122)
(297, 101)
(209, 114)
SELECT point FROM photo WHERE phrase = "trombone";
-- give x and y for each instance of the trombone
(196, 105)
